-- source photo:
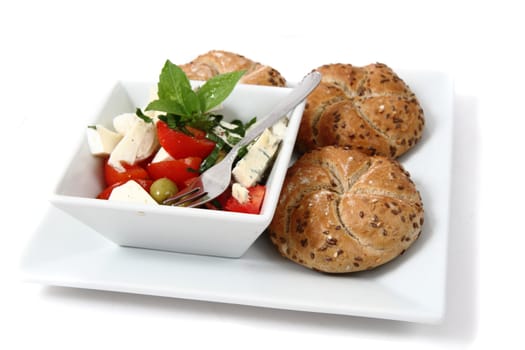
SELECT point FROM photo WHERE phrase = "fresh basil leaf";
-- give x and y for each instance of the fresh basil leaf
(216, 89)
(250, 123)
(241, 153)
(237, 122)
(238, 126)
(212, 158)
(217, 117)
(232, 140)
(191, 103)
(168, 106)
(175, 88)
(178, 98)
(172, 120)
(142, 116)
(173, 83)
(241, 128)
(213, 137)
(203, 123)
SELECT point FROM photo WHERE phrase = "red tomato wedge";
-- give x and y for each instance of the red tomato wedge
(177, 170)
(132, 172)
(146, 184)
(252, 206)
(179, 145)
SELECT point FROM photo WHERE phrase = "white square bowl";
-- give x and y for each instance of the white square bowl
(185, 230)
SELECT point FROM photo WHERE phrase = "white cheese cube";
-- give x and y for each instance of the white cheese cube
(123, 123)
(131, 192)
(101, 140)
(139, 142)
(161, 156)
(252, 166)
(240, 193)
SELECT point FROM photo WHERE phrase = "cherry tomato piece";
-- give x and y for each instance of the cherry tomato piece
(132, 172)
(177, 170)
(252, 206)
(180, 145)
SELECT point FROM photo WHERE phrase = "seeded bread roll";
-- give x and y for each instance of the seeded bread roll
(217, 62)
(366, 108)
(341, 211)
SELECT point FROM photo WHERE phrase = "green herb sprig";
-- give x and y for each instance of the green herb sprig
(176, 96)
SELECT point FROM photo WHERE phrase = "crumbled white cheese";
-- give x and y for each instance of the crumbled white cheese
(252, 166)
(240, 193)
(279, 128)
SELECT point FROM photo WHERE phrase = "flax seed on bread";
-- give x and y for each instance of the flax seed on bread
(342, 211)
(368, 108)
(215, 62)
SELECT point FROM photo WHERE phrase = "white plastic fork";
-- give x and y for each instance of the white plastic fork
(216, 179)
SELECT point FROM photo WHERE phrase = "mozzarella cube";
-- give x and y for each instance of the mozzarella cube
(161, 156)
(101, 141)
(131, 192)
(123, 123)
(139, 142)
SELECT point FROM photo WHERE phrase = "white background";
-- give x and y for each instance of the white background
(57, 58)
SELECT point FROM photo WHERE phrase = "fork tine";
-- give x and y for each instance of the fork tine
(194, 188)
(178, 201)
(184, 197)
(194, 201)
(200, 200)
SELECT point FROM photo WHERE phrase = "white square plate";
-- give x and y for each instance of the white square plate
(65, 252)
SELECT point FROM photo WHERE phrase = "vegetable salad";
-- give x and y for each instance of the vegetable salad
(152, 154)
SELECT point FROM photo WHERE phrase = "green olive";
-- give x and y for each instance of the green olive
(162, 189)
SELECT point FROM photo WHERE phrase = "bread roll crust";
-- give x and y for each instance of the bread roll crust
(216, 62)
(366, 108)
(342, 211)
